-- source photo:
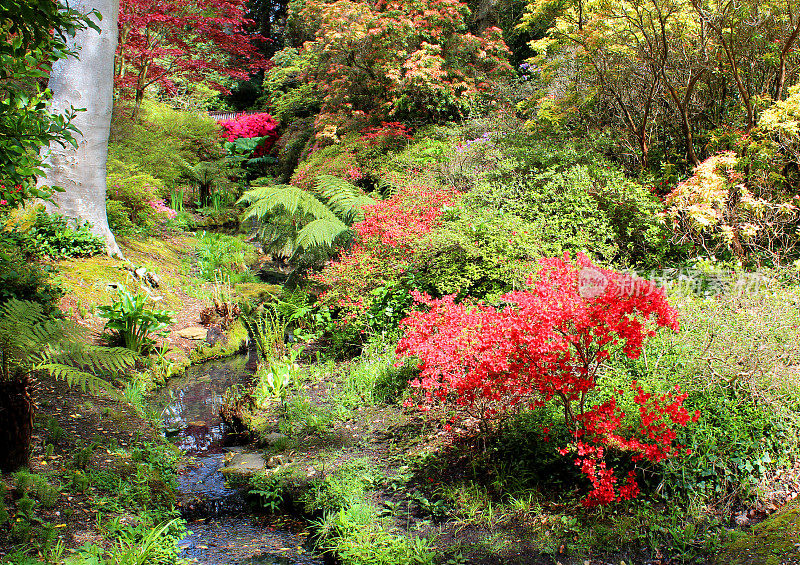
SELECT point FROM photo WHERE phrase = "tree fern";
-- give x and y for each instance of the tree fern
(346, 200)
(295, 221)
(31, 342)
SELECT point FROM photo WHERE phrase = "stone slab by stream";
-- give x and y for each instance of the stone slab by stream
(243, 464)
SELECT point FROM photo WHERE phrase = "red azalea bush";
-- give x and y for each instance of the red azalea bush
(547, 345)
(387, 240)
(389, 136)
(252, 125)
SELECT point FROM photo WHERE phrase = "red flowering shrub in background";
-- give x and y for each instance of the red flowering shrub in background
(163, 41)
(11, 197)
(547, 344)
(389, 136)
(248, 126)
(335, 161)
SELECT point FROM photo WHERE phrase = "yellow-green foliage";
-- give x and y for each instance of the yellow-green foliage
(783, 117)
(256, 291)
(716, 210)
(156, 143)
(290, 96)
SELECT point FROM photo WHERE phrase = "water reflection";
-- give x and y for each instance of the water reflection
(191, 414)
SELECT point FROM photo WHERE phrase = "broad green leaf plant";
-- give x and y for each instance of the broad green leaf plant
(132, 322)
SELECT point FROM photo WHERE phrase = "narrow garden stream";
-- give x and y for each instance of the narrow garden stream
(223, 528)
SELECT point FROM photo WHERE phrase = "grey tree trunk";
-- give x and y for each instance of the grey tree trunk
(86, 82)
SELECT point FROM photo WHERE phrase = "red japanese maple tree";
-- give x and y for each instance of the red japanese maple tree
(198, 40)
(547, 345)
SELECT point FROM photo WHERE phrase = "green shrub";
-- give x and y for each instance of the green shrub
(342, 488)
(119, 218)
(735, 446)
(24, 278)
(735, 358)
(222, 256)
(356, 536)
(632, 210)
(160, 141)
(591, 209)
(55, 236)
(268, 489)
(36, 486)
(478, 253)
(129, 199)
(373, 378)
(560, 207)
(422, 153)
(287, 93)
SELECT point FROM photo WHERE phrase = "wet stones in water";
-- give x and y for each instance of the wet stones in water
(247, 540)
(203, 491)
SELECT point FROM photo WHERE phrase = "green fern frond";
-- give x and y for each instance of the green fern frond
(29, 342)
(344, 198)
(289, 199)
(386, 186)
(76, 378)
(322, 232)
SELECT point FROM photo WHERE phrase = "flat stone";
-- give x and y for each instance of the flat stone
(195, 333)
(244, 464)
(275, 437)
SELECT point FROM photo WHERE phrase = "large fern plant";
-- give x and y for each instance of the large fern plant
(30, 341)
(294, 221)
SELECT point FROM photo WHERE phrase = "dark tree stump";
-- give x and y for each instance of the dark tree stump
(16, 424)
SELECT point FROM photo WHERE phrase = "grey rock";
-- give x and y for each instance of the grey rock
(216, 335)
(195, 333)
(244, 464)
(275, 437)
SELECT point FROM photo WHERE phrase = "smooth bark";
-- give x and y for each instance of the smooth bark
(86, 82)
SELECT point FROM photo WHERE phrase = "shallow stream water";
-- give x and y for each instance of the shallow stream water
(224, 531)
